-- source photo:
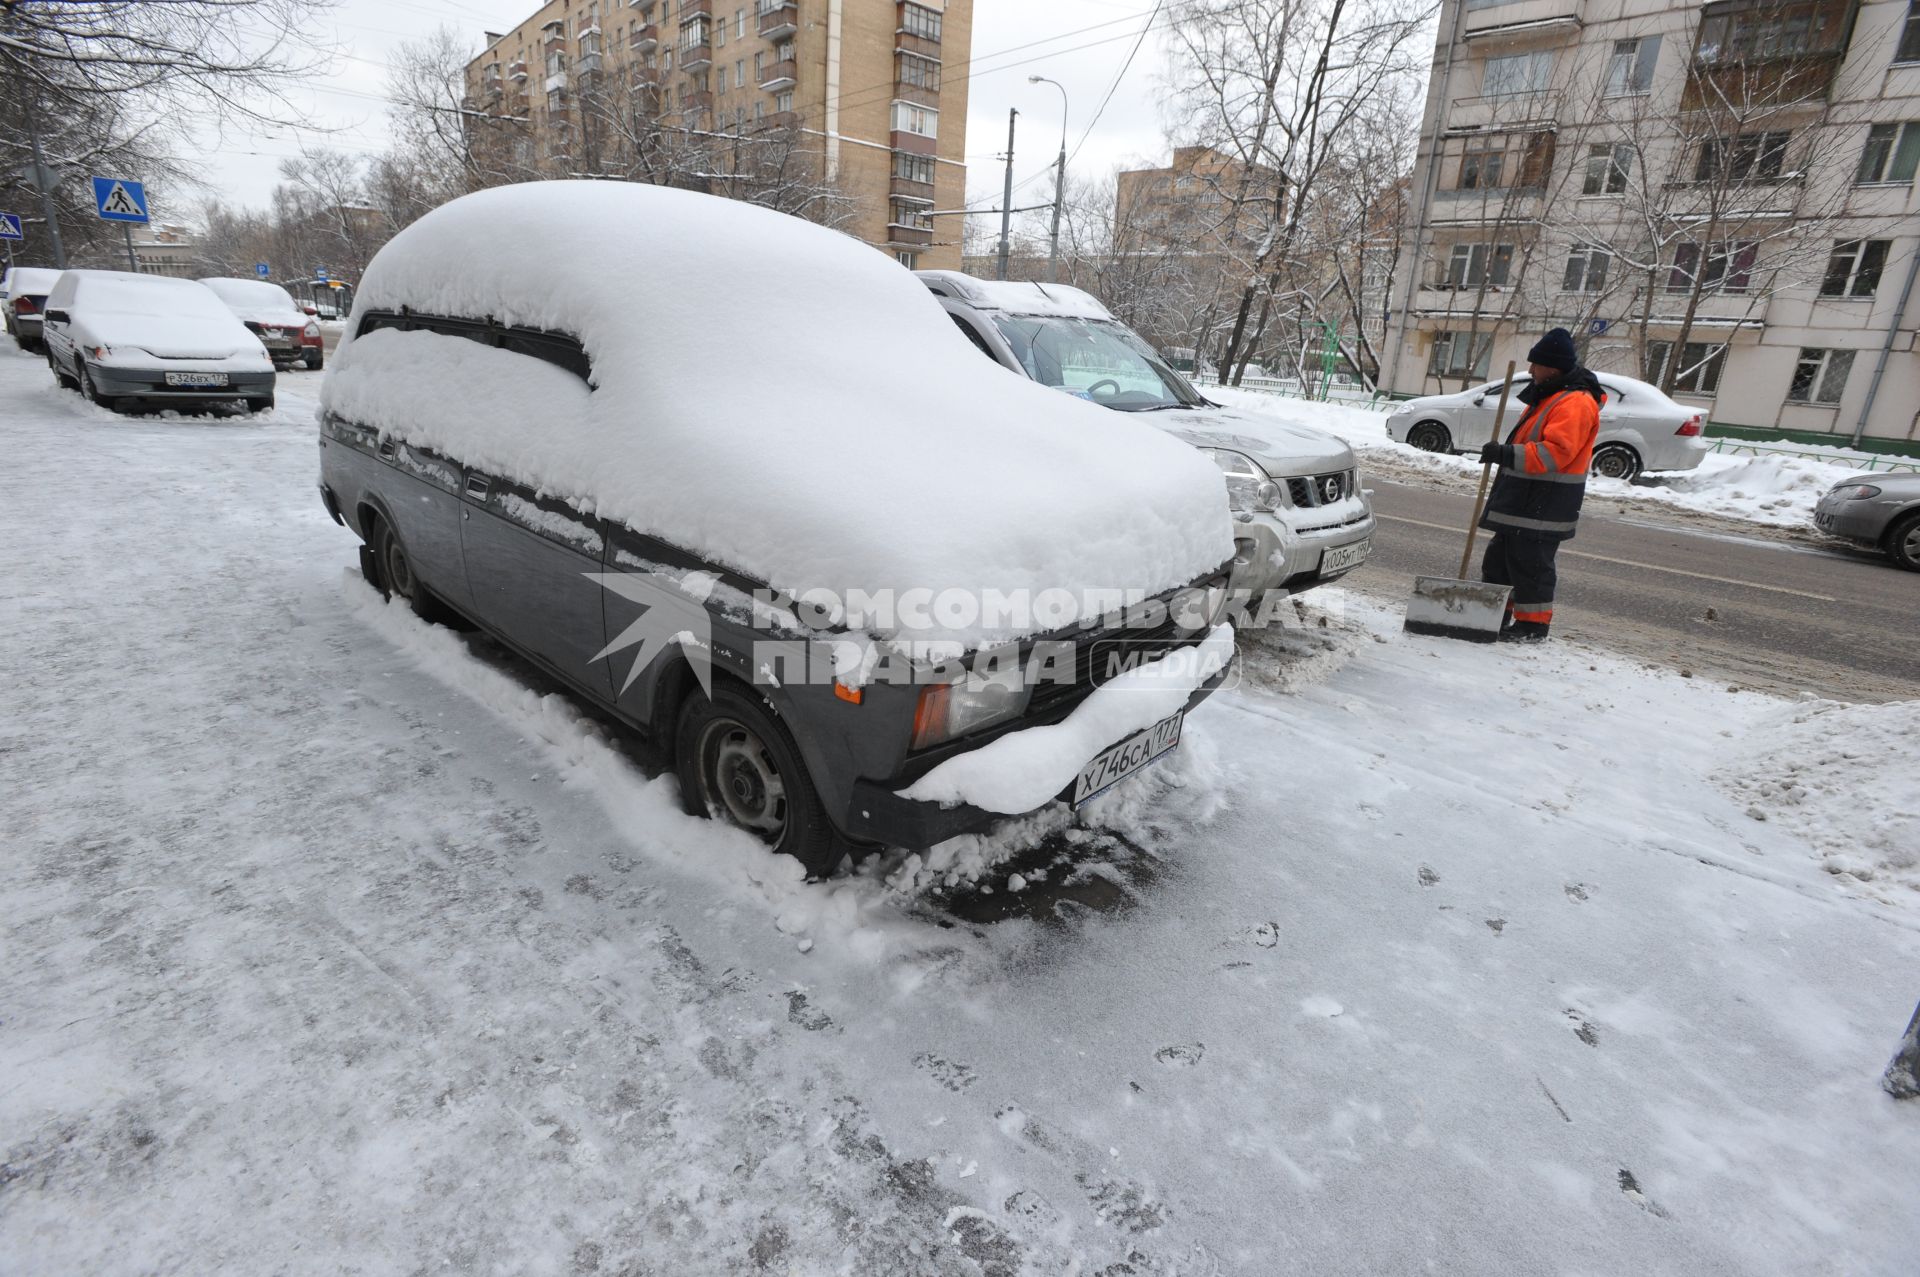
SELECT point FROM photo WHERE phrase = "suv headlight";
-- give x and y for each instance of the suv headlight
(1249, 488)
(947, 711)
(1855, 491)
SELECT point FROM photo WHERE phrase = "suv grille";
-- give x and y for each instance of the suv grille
(1309, 491)
(1098, 658)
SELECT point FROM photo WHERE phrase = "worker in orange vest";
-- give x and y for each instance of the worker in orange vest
(1536, 497)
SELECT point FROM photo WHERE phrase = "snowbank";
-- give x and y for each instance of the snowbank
(1842, 777)
(776, 396)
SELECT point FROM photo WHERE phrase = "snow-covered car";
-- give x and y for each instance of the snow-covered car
(121, 338)
(1301, 518)
(1881, 510)
(23, 295)
(849, 595)
(271, 314)
(1641, 429)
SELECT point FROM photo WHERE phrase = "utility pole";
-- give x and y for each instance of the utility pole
(1059, 178)
(1006, 200)
(42, 175)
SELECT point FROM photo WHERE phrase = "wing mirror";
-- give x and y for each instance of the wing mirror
(56, 316)
(1479, 401)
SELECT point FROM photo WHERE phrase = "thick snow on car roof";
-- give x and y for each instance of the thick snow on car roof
(121, 292)
(250, 296)
(777, 396)
(35, 281)
(1016, 297)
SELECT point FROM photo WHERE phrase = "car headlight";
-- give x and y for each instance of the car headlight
(312, 329)
(1855, 491)
(1249, 488)
(948, 711)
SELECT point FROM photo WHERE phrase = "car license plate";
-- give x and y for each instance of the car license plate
(1129, 756)
(1342, 557)
(196, 379)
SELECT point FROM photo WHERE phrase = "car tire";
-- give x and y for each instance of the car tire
(737, 763)
(260, 405)
(1902, 542)
(1430, 436)
(394, 575)
(1615, 461)
(91, 393)
(66, 380)
(313, 362)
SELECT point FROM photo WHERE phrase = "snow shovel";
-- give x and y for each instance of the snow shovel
(1463, 609)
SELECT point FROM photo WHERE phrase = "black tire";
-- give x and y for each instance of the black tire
(394, 575)
(1616, 461)
(66, 379)
(1903, 542)
(1430, 436)
(314, 362)
(91, 393)
(737, 763)
(260, 405)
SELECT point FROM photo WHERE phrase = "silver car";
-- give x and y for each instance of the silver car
(1640, 428)
(1881, 510)
(1301, 518)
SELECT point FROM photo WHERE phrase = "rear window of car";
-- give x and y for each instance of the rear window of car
(560, 349)
(163, 298)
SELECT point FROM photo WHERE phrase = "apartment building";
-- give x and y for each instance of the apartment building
(1203, 202)
(1717, 198)
(836, 110)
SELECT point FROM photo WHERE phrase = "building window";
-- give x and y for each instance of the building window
(556, 62)
(1892, 153)
(694, 33)
(1480, 163)
(1471, 265)
(1820, 376)
(739, 24)
(759, 111)
(1608, 165)
(1587, 270)
(924, 23)
(906, 258)
(1909, 50)
(759, 66)
(1700, 365)
(909, 117)
(921, 73)
(1727, 266)
(1517, 73)
(1745, 157)
(1450, 357)
(720, 34)
(740, 73)
(1854, 269)
(909, 167)
(783, 102)
(910, 215)
(1630, 67)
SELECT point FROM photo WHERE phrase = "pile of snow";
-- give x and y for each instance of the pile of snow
(1842, 778)
(775, 396)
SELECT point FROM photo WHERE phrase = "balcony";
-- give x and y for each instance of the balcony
(556, 82)
(779, 75)
(645, 39)
(695, 56)
(1767, 52)
(908, 236)
(919, 95)
(900, 140)
(697, 102)
(907, 189)
(517, 70)
(691, 9)
(1741, 84)
(781, 120)
(777, 20)
(1521, 17)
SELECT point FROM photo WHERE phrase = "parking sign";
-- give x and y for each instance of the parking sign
(260, 269)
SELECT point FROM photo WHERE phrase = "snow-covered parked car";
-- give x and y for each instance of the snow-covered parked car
(858, 594)
(118, 337)
(271, 314)
(1301, 518)
(23, 296)
(1641, 429)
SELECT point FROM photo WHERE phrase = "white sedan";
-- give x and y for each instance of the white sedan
(1640, 428)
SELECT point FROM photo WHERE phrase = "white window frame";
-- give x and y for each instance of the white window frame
(921, 121)
(1827, 364)
(1517, 74)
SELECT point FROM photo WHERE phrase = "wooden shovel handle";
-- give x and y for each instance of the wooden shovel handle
(1486, 472)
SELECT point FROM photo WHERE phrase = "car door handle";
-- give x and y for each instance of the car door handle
(386, 447)
(477, 488)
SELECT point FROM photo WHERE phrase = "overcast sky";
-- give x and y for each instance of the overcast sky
(1081, 43)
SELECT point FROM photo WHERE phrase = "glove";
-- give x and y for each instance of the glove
(1493, 454)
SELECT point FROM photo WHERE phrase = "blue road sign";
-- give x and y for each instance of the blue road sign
(118, 199)
(1597, 326)
(320, 276)
(10, 226)
(260, 269)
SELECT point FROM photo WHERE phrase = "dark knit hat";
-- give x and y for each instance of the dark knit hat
(1555, 350)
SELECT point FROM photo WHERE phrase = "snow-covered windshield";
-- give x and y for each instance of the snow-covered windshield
(1102, 361)
(158, 296)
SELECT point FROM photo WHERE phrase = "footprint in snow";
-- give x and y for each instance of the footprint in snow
(812, 1019)
(948, 1073)
(1583, 1028)
(1630, 1189)
(1427, 876)
(1579, 891)
(1496, 925)
(1181, 1057)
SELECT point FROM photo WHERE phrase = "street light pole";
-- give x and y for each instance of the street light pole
(1059, 178)
(1006, 200)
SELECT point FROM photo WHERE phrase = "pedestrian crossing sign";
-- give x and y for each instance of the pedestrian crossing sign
(117, 199)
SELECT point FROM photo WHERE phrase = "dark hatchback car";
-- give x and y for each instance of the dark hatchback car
(445, 444)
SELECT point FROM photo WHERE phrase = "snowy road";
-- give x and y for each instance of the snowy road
(330, 946)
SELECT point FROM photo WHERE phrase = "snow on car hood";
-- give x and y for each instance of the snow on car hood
(1281, 447)
(778, 397)
(172, 336)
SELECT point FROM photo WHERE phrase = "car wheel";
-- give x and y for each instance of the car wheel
(313, 362)
(1430, 436)
(394, 570)
(260, 405)
(91, 393)
(1903, 542)
(1616, 461)
(737, 763)
(66, 380)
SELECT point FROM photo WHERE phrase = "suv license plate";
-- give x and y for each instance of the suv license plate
(1121, 761)
(196, 379)
(1342, 557)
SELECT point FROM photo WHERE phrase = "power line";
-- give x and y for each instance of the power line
(1133, 53)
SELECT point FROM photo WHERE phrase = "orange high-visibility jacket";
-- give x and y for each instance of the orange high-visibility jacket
(1543, 469)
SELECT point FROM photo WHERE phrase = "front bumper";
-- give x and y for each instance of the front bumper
(144, 383)
(1268, 554)
(1853, 520)
(876, 813)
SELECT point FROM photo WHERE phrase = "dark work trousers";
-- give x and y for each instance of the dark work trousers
(1526, 563)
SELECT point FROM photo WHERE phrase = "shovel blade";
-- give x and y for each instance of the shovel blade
(1446, 608)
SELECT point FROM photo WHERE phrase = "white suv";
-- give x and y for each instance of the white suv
(1300, 516)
